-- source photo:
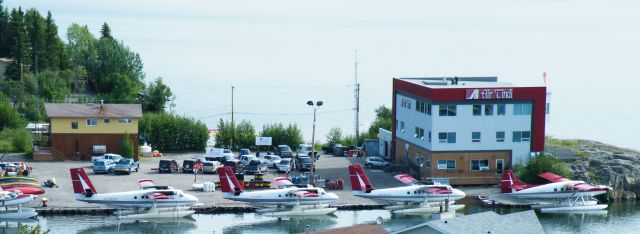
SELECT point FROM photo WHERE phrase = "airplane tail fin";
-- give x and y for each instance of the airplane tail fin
(510, 183)
(359, 180)
(81, 182)
(228, 181)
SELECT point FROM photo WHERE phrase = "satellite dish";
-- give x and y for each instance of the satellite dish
(379, 220)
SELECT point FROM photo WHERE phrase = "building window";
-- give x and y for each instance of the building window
(477, 110)
(447, 137)
(447, 110)
(428, 162)
(479, 165)
(423, 107)
(428, 108)
(124, 121)
(74, 125)
(429, 136)
(475, 137)
(92, 122)
(106, 121)
(499, 136)
(499, 166)
(401, 126)
(521, 136)
(488, 109)
(502, 109)
(522, 109)
(446, 164)
(406, 103)
(419, 133)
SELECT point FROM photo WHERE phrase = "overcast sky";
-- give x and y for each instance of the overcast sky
(279, 54)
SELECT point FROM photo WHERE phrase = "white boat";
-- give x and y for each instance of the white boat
(575, 208)
(19, 213)
(298, 211)
(426, 209)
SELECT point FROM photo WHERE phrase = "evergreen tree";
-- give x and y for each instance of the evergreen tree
(4, 23)
(105, 31)
(156, 96)
(18, 43)
(35, 25)
(54, 46)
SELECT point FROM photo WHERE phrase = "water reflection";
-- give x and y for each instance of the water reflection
(153, 226)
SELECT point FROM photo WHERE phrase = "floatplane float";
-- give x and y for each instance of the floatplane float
(16, 198)
(414, 198)
(561, 195)
(289, 199)
(156, 202)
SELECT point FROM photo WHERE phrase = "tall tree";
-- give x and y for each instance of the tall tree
(245, 134)
(18, 43)
(4, 31)
(156, 96)
(105, 31)
(226, 132)
(81, 47)
(35, 25)
(54, 46)
(334, 135)
(383, 120)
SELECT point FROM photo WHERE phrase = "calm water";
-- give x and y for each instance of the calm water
(618, 218)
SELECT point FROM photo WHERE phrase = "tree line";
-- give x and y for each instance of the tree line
(243, 135)
(173, 133)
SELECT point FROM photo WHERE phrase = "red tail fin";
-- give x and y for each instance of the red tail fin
(510, 182)
(81, 182)
(359, 180)
(228, 181)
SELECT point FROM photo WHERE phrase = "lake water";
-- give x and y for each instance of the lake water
(622, 217)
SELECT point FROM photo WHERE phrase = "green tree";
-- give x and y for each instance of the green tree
(55, 85)
(81, 47)
(544, 163)
(245, 135)
(126, 146)
(226, 132)
(383, 120)
(334, 135)
(105, 31)
(291, 135)
(348, 140)
(173, 133)
(117, 73)
(9, 117)
(35, 25)
(4, 32)
(18, 43)
(156, 96)
(55, 55)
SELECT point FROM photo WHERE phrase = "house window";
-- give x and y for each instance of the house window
(488, 109)
(477, 110)
(447, 110)
(521, 136)
(74, 125)
(522, 109)
(429, 136)
(401, 126)
(92, 122)
(419, 134)
(447, 137)
(499, 136)
(106, 121)
(475, 137)
(124, 121)
(499, 166)
(502, 109)
(446, 164)
(479, 165)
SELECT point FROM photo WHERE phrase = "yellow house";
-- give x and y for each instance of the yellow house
(76, 129)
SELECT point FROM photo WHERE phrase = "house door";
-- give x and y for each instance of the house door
(77, 150)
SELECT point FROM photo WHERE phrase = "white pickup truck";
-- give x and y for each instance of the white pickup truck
(112, 157)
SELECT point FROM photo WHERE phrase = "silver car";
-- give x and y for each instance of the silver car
(273, 160)
(284, 165)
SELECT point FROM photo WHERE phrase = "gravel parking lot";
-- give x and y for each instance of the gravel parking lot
(326, 167)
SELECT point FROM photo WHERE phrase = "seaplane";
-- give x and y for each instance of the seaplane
(16, 198)
(560, 195)
(415, 198)
(290, 200)
(156, 201)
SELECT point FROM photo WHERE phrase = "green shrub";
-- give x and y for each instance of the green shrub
(15, 140)
(545, 163)
(126, 147)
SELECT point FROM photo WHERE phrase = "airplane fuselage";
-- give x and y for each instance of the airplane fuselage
(284, 196)
(413, 193)
(556, 190)
(138, 199)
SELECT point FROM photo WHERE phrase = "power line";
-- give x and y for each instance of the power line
(293, 114)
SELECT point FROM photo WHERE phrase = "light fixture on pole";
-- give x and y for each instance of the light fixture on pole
(315, 107)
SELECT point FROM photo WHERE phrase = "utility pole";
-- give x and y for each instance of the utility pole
(37, 73)
(356, 100)
(232, 123)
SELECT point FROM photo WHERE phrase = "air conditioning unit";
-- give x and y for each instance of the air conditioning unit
(484, 168)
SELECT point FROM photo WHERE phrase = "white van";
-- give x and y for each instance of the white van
(303, 150)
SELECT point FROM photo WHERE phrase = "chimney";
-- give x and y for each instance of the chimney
(100, 113)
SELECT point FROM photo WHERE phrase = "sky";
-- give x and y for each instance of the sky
(280, 54)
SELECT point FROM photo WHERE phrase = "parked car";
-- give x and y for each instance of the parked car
(168, 166)
(245, 159)
(235, 165)
(112, 157)
(210, 167)
(255, 166)
(189, 164)
(304, 163)
(284, 151)
(103, 166)
(126, 166)
(273, 160)
(376, 162)
(285, 165)
(227, 152)
(245, 151)
(303, 150)
(329, 148)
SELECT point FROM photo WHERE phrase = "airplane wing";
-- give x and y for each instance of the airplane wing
(552, 177)
(145, 183)
(306, 193)
(282, 182)
(586, 187)
(437, 189)
(405, 179)
(157, 196)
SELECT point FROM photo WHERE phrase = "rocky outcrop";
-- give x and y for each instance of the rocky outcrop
(598, 163)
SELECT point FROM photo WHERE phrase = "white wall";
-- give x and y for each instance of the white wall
(384, 136)
(412, 119)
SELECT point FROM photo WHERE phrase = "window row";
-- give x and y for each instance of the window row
(423, 107)
(500, 109)
(488, 109)
(94, 122)
(476, 165)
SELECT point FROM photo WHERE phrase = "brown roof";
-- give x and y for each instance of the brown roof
(358, 229)
(93, 110)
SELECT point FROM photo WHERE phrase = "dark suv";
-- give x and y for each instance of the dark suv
(284, 151)
(255, 166)
(303, 163)
(168, 166)
(235, 165)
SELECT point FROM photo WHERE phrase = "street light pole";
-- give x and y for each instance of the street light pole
(315, 107)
